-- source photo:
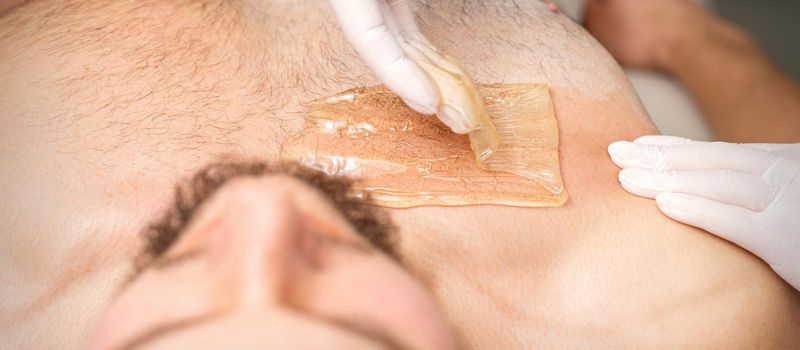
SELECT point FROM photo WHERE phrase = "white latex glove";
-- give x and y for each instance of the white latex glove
(385, 35)
(748, 194)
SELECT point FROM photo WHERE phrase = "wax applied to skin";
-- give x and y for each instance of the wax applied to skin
(405, 159)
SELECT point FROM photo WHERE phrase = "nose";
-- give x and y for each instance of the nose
(260, 243)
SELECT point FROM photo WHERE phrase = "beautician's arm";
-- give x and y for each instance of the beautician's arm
(744, 96)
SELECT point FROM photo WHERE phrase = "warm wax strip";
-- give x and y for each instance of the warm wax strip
(528, 130)
(405, 159)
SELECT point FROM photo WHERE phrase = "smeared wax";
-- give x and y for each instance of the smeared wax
(404, 159)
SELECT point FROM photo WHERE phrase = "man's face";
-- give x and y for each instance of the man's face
(254, 256)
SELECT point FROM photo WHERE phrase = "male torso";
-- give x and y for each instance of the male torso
(105, 106)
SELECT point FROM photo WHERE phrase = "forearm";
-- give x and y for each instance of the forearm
(744, 96)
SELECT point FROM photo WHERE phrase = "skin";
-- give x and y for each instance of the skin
(106, 105)
(745, 97)
(7, 5)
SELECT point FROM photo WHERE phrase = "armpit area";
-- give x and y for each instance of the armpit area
(404, 159)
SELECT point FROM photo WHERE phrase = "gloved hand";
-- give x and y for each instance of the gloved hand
(386, 36)
(748, 194)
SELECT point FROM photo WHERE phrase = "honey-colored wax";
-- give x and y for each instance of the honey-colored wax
(405, 159)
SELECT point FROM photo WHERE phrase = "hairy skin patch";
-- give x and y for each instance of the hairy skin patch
(405, 159)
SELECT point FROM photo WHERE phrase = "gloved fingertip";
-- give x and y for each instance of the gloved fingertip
(420, 94)
(624, 153)
(633, 177)
(640, 182)
(421, 108)
(613, 148)
(673, 204)
(454, 119)
(406, 79)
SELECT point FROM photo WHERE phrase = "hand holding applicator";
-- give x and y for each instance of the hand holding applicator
(386, 36)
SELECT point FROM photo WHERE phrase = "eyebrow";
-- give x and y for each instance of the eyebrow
(365, 329)
(168, 261)
(163, 329)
